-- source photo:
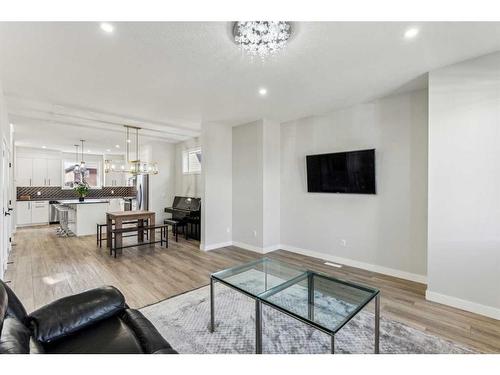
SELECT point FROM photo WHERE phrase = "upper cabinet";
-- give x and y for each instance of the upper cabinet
(54, 172)
(115, 179)
(24, 171)
(38, 171)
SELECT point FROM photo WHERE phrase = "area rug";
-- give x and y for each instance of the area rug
(184, 320)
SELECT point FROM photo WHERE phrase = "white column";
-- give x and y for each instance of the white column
(216, 197)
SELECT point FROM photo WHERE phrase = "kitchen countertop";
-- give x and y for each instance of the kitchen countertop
(60, 199)
(86, 201)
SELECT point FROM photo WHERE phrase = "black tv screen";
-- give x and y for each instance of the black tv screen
(342, 172)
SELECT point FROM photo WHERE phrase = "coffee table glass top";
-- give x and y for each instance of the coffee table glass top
(323, 301)
(259, 276)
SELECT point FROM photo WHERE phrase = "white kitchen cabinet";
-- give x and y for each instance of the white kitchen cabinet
(120, 180)
(36, 171)
(115, 204)
(115, 179)
(39, 172)
(54, 172)
(24, 171)
(23, 213)
(39, 212)
(109, 179)
(32, 212)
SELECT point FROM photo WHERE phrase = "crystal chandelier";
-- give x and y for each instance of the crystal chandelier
(262, 38)
(135, 166)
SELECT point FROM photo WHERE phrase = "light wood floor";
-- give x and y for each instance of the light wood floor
(45, 267)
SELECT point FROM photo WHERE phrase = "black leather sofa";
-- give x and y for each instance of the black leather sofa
(93, 322)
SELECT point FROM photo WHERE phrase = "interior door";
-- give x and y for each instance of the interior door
(5, 229)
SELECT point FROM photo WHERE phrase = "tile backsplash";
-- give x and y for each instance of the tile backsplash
(54, 192)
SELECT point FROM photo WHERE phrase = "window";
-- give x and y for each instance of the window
(93, 176)
(191, 161)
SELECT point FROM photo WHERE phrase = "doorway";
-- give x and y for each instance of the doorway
(6, 220)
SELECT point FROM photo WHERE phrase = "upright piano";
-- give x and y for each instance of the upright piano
(187, 212)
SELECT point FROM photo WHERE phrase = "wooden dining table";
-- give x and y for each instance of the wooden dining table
(120, 216)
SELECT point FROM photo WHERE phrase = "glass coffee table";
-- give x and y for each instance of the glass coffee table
(318, 300)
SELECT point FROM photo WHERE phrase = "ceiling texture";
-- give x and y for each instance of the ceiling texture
(65, 81)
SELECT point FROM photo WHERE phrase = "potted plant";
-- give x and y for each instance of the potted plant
(82, 189)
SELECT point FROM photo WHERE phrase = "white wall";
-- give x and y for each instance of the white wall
(216, 172)
(385, 232)
(248, 184)
(187, 185)
(464, 185)
(256, 185)
(271, 185)
(161, 185)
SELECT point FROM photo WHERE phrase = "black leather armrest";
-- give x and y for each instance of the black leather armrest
(150, 339)
(70, 314)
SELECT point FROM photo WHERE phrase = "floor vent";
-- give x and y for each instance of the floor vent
(333, 265)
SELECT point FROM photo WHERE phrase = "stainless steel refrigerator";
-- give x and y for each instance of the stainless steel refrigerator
(141, 184)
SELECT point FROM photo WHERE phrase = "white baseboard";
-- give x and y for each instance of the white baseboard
(462, 304)
(348, 262)
(268, 249)
(256, 249)
(215, 246)
(354, 263)
(246, 246)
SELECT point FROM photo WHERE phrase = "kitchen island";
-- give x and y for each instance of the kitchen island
(83, 216)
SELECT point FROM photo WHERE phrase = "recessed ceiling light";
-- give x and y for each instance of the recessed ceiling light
(128, 141)
(108, 150)
(107, 27)
(117, 146)
(44, 146)
(262, 91)
(411, 33)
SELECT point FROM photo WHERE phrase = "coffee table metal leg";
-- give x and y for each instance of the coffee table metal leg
(310, 296)
(377, 323)
(333, 344)
(212, 312)
(258, 327)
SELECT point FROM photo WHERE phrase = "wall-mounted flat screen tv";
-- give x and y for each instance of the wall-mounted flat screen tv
(350, 172)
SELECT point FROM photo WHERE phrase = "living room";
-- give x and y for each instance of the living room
(250, 187)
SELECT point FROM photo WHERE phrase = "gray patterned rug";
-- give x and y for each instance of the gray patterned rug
(183, 321)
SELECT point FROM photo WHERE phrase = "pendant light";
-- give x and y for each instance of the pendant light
(135, 166)
(83, 167)
(76, 168)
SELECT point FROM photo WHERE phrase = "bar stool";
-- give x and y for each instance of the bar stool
(63, 214)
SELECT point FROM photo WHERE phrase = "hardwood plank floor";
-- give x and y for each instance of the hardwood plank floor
(45, 267)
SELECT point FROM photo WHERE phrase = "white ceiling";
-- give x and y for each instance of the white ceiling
(65, 81)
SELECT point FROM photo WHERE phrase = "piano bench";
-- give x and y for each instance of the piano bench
(175, 224)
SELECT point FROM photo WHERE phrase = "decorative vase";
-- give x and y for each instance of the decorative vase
(81, 199)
